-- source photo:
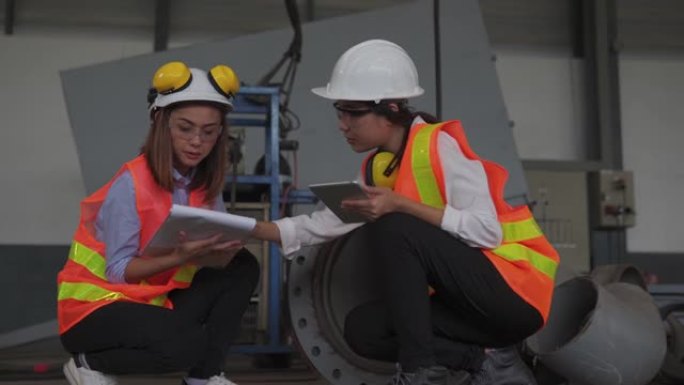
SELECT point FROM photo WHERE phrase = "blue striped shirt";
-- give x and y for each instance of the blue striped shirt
(118, 225)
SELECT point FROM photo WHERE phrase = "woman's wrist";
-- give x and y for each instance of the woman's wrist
(402, 204)
(267, 231)
(177, 259)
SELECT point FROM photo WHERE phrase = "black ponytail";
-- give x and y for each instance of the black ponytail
(405, 114)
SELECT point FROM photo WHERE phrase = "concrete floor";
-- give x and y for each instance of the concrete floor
(16, 367)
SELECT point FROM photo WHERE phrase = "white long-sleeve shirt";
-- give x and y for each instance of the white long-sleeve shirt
(469, 213)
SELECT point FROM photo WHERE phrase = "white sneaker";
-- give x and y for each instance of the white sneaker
(220, 380)
(83, 376)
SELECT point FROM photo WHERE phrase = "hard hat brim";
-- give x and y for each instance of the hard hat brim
(325, 93)
(168, 100)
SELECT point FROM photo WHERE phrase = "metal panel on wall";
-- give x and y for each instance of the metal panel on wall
(560, 206)
(471, 91)
(107, 109)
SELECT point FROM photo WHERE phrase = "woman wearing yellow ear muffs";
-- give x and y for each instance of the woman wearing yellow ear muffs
(121, 312)
(437, 218)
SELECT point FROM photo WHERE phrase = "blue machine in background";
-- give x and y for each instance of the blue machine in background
(266, 115)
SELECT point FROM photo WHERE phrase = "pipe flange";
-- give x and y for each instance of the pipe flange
(318, 300)
(672, 371)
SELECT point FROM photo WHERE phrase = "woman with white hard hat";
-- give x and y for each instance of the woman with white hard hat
(123, 312)
(437, 220)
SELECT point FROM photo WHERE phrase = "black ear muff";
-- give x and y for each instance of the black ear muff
(151, 95)
(369, 170)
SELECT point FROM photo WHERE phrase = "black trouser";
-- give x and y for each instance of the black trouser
(131, 338)
(473, 306)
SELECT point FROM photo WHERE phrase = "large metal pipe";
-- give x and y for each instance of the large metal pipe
(626, 273)
(596, 335)
(602, 335)
(672, 372)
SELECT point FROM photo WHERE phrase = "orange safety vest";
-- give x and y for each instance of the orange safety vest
(82, 284)
(525, 259)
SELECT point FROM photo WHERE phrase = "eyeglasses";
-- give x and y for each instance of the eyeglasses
(189, 133)
(351, 110)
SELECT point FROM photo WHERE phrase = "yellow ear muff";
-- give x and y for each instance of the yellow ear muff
(171, 77)
(224, 80)
(381, 161)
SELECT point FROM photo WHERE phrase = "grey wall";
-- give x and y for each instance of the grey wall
(471, 90)
(41, 179)
(28, 283)
(652, 93)
(545, 96)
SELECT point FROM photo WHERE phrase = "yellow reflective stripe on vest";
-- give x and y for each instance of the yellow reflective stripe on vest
(520, 230)
(88, 258)
(86, 292)
(518, 252)
(422, 168)
(185, 273)
(159, 300)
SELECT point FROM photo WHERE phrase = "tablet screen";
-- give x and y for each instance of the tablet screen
(332, 194)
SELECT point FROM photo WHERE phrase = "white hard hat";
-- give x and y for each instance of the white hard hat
(372, 70)
(174, 82)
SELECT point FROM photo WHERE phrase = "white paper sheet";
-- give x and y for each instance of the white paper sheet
(197, 224)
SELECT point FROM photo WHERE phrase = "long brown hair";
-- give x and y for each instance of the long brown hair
(158, 150)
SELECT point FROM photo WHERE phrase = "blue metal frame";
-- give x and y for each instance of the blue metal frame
(271, 177)
(303, 196)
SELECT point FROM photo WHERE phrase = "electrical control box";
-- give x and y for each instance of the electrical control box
(560, 205)
(612, 199)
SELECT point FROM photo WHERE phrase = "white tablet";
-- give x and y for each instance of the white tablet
(332, 194)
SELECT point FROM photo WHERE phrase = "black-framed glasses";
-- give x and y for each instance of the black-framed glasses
(352, 110)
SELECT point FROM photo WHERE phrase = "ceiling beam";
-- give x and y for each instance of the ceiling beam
(310, 10)
(162, 21)
(9, 16)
